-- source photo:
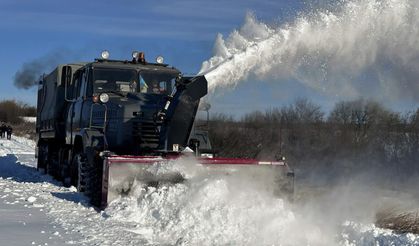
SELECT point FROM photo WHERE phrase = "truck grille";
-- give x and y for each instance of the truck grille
(147, 133)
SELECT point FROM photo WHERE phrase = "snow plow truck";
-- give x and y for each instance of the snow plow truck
(104, 125)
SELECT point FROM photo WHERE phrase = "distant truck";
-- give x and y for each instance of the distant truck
(101, 125)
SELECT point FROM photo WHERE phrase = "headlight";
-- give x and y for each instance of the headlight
(105, 54)
(160, 59)
(104, 98)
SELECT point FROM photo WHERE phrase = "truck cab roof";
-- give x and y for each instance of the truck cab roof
(101, 63)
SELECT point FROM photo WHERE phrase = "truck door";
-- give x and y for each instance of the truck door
(87, 101)
(77, 124)
(69, 80)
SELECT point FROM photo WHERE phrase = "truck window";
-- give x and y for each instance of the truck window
(80, 80)
(83, 84)
(66, 76)
(89, 86)
(156, 82)
(76, 84)
(122, 80)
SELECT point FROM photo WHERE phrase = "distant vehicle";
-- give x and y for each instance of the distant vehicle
(101, 125)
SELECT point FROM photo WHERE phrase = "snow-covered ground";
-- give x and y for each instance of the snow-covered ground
(29, 119)
(36, 210)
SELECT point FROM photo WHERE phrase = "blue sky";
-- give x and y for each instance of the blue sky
(182, 31)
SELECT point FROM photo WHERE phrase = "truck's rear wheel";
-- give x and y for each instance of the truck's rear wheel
(63, 166)
(42, 158)
(52, 164)
(41, 165)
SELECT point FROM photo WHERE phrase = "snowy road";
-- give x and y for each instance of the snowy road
(23, 220)
(36, 210)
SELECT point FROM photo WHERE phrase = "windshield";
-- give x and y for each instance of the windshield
(120, 80)
(156, 82)
(126, 80)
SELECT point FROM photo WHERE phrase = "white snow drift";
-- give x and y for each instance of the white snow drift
(213, 211)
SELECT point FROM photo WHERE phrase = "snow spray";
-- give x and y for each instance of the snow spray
(363, 48)
(214, 209)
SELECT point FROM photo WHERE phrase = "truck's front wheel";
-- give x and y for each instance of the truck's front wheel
(81, 172)
(87, 178)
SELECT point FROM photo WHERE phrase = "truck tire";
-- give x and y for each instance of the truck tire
(81, 176)
(42, 158)
(95, 184)
(89, 178)
(52, 165)
(64, 166)
(41, 162)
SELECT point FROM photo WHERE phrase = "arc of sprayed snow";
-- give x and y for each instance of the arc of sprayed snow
(237, 66)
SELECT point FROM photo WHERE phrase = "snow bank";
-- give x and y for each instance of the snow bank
(202, 211)
(220, 210)
(354, 234)
(29, 119)
(17, 146)
(209, 211)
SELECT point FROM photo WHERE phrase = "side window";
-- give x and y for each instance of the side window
(79, 84)
(66, 76)
(83, 84)
(66, 82)
(76, 84)
(89, 83)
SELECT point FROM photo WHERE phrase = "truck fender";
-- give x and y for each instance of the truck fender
(93, 138)
(94, 141)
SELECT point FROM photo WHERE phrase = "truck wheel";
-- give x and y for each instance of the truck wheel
(95, 184)
(52, 165)
(80, 178)
(42, 159)
(63, 167)
(89, 177)
(41, 163)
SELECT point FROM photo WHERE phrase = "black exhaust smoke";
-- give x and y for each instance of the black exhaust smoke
(28, 75)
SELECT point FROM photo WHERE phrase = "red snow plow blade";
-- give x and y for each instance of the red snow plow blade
(121, 173)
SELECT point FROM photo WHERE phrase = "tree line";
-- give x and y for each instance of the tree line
(355, 135)
(11, 111)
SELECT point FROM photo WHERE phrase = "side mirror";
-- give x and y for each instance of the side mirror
(66, 79)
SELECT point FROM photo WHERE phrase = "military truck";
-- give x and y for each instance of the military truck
(101, 125)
